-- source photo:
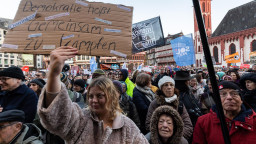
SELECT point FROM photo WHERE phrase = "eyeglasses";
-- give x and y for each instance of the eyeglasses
(3, 79)
(233, 94)
(4, 126)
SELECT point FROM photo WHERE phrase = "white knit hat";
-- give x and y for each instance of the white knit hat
(164, 80)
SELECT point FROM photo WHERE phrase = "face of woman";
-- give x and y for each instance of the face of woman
(165, 126)
(250, 85)
(168, 89)
(34, 87)
(233, 76)
(97, 100)
(77, 88)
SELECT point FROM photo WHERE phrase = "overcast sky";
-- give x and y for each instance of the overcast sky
(176, 15)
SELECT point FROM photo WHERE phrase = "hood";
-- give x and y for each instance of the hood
(125, 73)
(178, 125)
(30, 133)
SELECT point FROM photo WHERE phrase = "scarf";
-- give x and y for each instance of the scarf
(147, 92)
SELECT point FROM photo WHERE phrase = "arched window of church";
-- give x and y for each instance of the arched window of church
(232, 49)
(199, 49)
(253, 45)
(209, 21)
(203, 7)
(216, 54)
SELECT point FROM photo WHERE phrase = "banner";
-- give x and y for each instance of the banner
(94, 28)
(233, 58)
(147, 34)
(183, 50)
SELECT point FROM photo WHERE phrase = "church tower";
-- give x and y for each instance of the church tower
(206, 13)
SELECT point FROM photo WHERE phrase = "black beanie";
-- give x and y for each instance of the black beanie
(80, 83)
(39, 82)
(228, 85)
(13, 72)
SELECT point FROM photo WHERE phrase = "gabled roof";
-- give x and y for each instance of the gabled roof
(237, 19)
(4, 23)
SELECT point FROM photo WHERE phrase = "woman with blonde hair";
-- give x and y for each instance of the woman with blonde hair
(101, 123)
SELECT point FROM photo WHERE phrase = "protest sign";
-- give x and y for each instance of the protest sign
(183, 50)
(94, 28)
(147, 34)
(233, 58)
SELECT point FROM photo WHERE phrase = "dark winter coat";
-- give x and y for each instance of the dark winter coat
(192, 105)
(249, 98)
(207, 102)
(142, 104)
(177, 137)
(160, 101)
(22, 98)
(242, 129)
(129, 109)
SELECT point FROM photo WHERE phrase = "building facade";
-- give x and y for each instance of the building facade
(206, 13)
(235, 33)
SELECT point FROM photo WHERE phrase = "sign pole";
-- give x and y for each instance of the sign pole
(211, 71)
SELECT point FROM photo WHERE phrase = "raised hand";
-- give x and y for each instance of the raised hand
(57, 60)
(58, 57)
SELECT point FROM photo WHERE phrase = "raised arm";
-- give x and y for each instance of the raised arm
(57, 60)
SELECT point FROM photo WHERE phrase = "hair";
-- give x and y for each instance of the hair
(237, 75)
(198, 78)
(39, 89)
(143, 79)
(134, 75)
(112, 96)
(181, 85)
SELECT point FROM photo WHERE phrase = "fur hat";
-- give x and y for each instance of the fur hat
(80, 83)
(177, 122)
(248, 76)
(13, 72)
(164, 80)
(39, 82)
(12, 115)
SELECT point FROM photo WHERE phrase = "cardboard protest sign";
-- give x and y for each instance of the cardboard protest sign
(94, 28)
(233, 58)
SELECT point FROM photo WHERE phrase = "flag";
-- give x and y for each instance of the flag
(124, 66)
(93, 65)
(183, 50)
(233, 58)
(139, 67)
(147, 34)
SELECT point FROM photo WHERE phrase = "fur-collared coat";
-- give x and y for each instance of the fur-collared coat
(160, 101)
(177, 138)
(81, 126)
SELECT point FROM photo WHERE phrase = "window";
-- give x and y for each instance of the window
(87, 57)
(199, 49)
(203, 7)
(253, 46)
(232, 49)
(12, 62)
(6, 61)
(79, 57)
(216, 54)
(83, 57)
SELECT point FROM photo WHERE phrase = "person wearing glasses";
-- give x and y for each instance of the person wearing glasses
(41, 75)
(241, 122)
(14, 131)
(17, 95)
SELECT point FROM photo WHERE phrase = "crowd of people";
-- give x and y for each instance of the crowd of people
(165, 106)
